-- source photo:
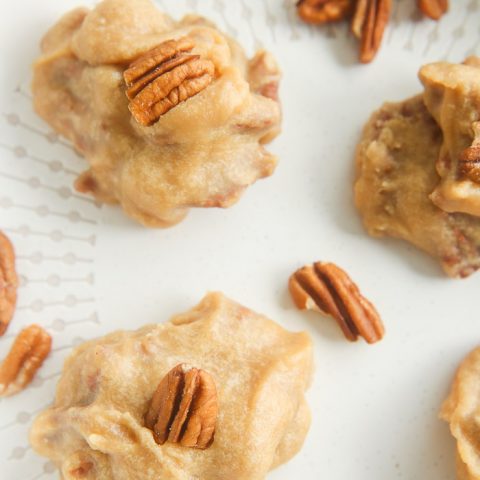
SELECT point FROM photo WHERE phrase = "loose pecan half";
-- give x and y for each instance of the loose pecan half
(323, 11)
(326, 288)
(26, 356)
(184, 408)
(433, 8)
(368, 25)
(164, 77)
(469, 162)
(8, 283)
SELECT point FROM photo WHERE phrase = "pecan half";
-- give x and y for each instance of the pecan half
(184, 408)
(368, 25)
(469, 161)
(8, 283)
(323, 11)
(26, 356)
(326, 288)
(433, 8)
(164, 77)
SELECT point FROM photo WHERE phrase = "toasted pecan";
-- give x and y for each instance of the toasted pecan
(433, 8)
(184, 408)
(469, 161)
(26, 356)
(164, 77)
(368, 25)
(328, 289)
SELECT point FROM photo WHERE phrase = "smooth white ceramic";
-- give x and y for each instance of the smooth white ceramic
(88, 269)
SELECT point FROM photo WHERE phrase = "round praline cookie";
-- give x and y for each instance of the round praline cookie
(396, 174)
(201, 111)
(97, 427)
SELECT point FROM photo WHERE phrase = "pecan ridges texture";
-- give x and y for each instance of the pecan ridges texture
(184, 408)
(469, 161)
(326, 288)
(368, 25)
(164, 77)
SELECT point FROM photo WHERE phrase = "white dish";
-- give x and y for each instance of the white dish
(87, 269)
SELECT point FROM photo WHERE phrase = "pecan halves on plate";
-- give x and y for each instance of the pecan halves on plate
(164, 77)
(326, 288)
(26, 356)
(184, 408)
(323, 11)
(433, 8)
(8, 283)
(368, 25)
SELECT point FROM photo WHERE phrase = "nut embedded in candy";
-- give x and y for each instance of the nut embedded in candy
(163, 77)
(469, 162)
(184, 408)
(328, 289)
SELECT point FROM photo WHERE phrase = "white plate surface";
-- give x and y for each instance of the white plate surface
(87, 269)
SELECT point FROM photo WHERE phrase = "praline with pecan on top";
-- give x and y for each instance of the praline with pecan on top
(177, 399)
(170, 115)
